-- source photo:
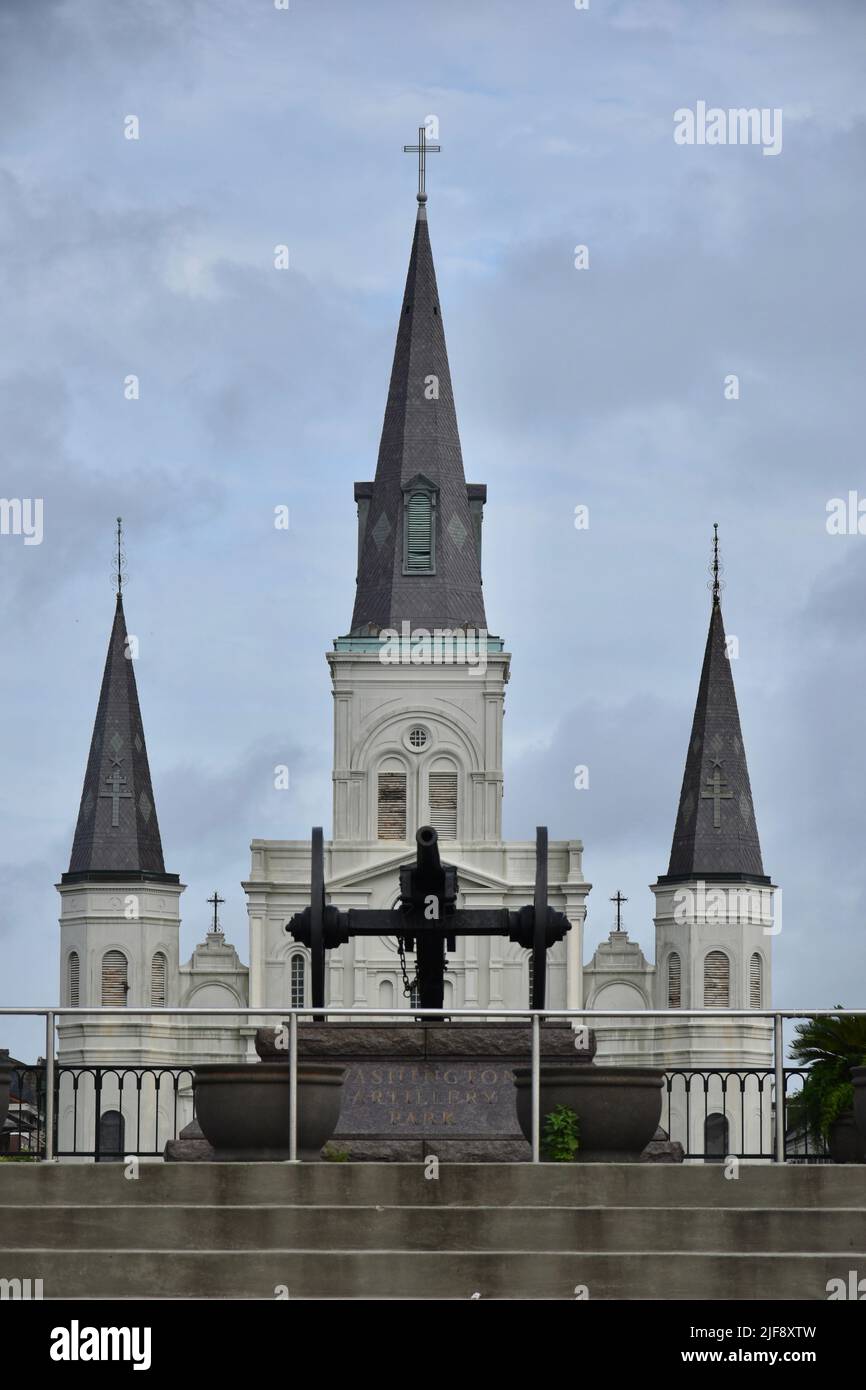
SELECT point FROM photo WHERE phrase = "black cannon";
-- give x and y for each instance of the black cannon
(428, 921)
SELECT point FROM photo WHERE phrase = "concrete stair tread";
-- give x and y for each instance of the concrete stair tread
(385, 1231)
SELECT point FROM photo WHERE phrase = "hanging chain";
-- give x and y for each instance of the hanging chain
(408, 985)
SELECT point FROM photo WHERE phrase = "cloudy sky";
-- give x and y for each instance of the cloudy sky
(603, 387)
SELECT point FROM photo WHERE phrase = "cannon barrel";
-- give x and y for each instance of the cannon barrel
(428, 864)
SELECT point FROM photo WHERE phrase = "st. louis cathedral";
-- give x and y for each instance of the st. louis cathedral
(417, 740)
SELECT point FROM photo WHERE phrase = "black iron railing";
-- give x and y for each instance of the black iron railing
(109, 1113)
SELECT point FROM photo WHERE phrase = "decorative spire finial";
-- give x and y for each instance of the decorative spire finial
(619, 900)
(216, 930)
(120, 563)
(716, 567)
(422, 149)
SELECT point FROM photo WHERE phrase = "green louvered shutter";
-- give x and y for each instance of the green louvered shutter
(419, 533)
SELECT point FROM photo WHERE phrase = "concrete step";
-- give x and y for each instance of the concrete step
(396, 1274)
(371, 1231)
(425, 1228)
(458, 1184)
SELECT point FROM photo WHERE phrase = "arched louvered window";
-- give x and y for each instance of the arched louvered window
(386, 994)
(298, 981)
(391, 807)
(675, 981)
(756, 982)
(114, 979)
(716, 1137)
(717, 981)
(73, 980)
(443, 800)
(112, 1131)
(414, 997)
(158, 974)
(419, 533)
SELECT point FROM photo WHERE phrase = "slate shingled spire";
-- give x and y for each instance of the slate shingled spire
(420, 446)
(716, 836)
(117, 835)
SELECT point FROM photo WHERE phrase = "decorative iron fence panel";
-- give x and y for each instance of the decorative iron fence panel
(109, 1113)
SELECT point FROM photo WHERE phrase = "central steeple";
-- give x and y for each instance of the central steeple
(420, 526)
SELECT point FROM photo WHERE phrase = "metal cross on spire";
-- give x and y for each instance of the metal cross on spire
(422, 149)
(216, 900)
(120, 560)
(619, 900)
(717, 585)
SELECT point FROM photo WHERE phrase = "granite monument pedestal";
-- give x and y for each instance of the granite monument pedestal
(417, 1089)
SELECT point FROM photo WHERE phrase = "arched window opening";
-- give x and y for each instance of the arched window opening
(115, 984)
(298, 981)
(716, 1137)
(443, 802)
(756, 982)
(391, 817)
(73, 981)
(675, 980)
(717, 981)
(158, 974)
(112, 1132)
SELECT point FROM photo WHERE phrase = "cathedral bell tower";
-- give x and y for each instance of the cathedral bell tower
(419, 694)
(714, 906)
(119, 924)
(418, 682)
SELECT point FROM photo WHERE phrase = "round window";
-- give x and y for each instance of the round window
(417, 738)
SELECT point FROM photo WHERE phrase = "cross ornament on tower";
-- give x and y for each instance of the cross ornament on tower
(216, 900)
(619, 900)
(422, 149)
(116, 781)
(717, 792)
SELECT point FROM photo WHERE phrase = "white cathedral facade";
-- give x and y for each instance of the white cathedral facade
(419, 698)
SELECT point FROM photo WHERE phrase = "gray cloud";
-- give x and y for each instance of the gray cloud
(262, 387)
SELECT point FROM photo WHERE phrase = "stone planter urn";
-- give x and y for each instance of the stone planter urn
(618, 1108)
(5, 1084)
(858, 1076)
(846, 1142)
(243, 1110)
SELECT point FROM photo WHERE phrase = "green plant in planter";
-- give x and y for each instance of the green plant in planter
(331, 1154)
(831, 1046)
(560, 1138)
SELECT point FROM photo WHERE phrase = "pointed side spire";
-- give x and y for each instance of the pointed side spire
(117, 835)
(716, 836)
(420, 447)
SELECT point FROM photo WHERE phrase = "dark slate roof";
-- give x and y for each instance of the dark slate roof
(131, 847)
(419, 436)
(716, 838)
